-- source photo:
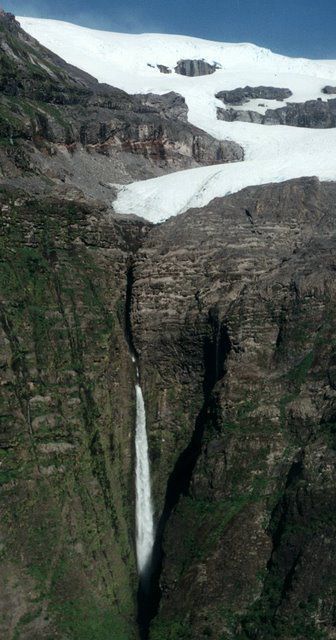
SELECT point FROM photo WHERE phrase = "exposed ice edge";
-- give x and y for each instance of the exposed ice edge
(273, 153)
(161, 198)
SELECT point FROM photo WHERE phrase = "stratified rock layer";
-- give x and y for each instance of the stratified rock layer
(233, 320)
(66, 421)
(59, 125)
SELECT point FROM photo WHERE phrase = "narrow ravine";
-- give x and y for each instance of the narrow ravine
(149, 539)
(144, 512)
(216, 349)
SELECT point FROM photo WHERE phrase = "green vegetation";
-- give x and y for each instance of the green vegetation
(174, 630)
(65, 508)
(299, 373)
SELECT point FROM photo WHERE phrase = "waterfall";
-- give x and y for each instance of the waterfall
(144, 507)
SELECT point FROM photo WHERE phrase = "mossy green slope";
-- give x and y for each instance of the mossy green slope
(67, 560)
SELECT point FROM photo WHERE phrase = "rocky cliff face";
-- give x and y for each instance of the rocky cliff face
(232, 318)
(67, 414)
(233, 321)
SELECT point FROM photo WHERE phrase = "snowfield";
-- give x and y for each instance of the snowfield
(272, 153)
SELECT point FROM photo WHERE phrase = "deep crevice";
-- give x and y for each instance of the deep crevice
(128, 310)
(216, 348)
(249, 217)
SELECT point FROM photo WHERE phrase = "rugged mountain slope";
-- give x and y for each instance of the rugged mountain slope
(232, 319)
(58, 124)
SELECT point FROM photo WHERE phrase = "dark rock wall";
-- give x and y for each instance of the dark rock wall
(66, 422)
(230, 309)
(248, 545)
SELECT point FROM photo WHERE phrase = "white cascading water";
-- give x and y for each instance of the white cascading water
(144, 506)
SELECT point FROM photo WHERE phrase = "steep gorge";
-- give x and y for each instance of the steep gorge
(236, 350)
(226, 568)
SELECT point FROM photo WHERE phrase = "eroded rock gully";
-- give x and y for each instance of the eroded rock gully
(233, 324)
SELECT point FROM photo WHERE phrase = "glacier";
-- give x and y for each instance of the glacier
(273, 153)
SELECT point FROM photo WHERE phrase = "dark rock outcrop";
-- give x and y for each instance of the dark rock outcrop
(240, 115)
(314, 114)
(163, 69)
(195, 68)
(240, 95)
(329, 90)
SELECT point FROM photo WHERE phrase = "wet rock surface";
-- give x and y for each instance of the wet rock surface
(66, 407)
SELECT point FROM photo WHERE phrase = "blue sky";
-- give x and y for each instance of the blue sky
(293, 27)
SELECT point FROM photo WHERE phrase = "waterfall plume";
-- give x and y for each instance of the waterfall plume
(144, 507)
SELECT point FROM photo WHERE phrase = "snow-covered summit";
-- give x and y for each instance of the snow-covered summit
(273, 153)
(130, 61)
